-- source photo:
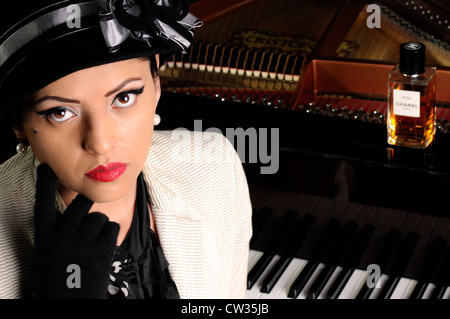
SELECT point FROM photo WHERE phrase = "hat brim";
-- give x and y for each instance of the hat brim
(63, 55)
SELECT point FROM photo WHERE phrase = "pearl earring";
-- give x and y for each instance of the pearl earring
(21, 148)
(156, 119)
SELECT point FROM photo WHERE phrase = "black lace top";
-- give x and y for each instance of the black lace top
(139, 269)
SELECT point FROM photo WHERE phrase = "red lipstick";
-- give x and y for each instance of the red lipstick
(108, 173)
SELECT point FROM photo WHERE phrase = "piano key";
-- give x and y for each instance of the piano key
(254, 256)
(446, 294)
(313, 273)
(431, 258)
(397, 264)
(329, 275)
(385, 252)
(383, 219)
(313, 209)
(259, 219)
(254, 291)
(290, 245)
(336, 249)
(441, 277)
(357, 277)
(399, 287)
(404, 272)
(275, 274)
(409, 289)
(351, 259)
(327, 233)
(340, 283)
(356, 281)
(284, 225)
(428, 291)
(259, 268)
(375, 292)
(280, 290)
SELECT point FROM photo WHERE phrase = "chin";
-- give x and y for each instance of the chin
(103, 193)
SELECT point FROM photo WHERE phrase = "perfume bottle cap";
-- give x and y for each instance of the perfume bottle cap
(412, 58)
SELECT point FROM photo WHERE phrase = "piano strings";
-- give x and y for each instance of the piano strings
(267, 77)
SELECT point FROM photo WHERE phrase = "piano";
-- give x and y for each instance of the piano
(345, 216)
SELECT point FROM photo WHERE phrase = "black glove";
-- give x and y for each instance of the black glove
(85, 242)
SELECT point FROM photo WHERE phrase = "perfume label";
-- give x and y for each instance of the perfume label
(406, 103)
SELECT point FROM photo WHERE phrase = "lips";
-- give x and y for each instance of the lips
(108, 173)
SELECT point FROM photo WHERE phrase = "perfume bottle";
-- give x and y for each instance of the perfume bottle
(411, 120)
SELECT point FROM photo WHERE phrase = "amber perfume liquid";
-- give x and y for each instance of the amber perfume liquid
(411, 120)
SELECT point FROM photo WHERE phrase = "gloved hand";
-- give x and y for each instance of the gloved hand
(75, 238)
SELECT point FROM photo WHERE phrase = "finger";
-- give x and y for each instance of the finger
(109, 233)
(44, 210)
(92, 225)
(75, 213)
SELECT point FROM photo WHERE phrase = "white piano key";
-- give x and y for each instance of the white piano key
(428, 291)
(253, 257)
(376, 291)
(330, 282)
(400, 288)
(409, 289)
(447, 294)
(255, 291)
(311, 280)
(281, 288)
(354, 284)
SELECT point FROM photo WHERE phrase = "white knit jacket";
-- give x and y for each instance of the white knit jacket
(200, 200)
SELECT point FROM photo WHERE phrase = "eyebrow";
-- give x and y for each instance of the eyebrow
(65, 100)
(56, 98)
(121, 85)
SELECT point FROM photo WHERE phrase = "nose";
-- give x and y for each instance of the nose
(99, 136)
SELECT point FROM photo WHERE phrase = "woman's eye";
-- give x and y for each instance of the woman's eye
(124, 100)
(127, 98)
(58, 114)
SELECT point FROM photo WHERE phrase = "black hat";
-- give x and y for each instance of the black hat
(44, 40)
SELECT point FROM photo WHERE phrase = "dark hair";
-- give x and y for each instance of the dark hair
(13, 116)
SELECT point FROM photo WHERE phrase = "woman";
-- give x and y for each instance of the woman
(95, 205)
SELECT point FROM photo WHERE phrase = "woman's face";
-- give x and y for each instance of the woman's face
(94, 128)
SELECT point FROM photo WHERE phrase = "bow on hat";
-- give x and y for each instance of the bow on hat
(145, 19)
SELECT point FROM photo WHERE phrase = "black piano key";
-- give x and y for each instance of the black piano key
(259, 219)
(274, 243)
(275, 274)
(398, 264)
(349, 263)
(384, 254)
(429, 265)
(389, 287)
(331, 260)
(290, 246)
(441, 278)
(339, 284)
(258, 269)
(321, 281)
(303, 278)
(298, 235)
(327, 234)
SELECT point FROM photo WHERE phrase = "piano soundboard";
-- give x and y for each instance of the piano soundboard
(309, 247)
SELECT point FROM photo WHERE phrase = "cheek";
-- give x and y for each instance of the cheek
(138, 132)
